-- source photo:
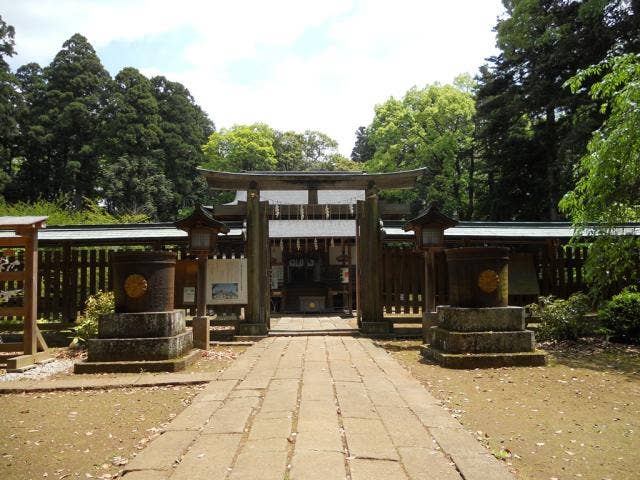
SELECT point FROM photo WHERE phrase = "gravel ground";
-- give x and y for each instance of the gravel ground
(59, 365)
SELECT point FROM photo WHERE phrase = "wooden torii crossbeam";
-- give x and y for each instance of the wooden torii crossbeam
(33, 347)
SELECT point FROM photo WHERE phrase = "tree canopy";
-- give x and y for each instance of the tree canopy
(431, 127)
(260, 147)
(607, 191)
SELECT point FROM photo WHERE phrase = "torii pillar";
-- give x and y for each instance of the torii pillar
(371, 320)
(257, 312)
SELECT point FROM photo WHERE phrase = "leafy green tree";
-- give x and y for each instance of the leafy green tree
(61, 154)
(60, 214)
(185, 127)
(8, 105)
(318, 150)
(241, 148)
(607, 192)
(289, 151)
(431, 127)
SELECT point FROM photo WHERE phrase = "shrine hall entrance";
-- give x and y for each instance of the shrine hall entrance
(283, 278)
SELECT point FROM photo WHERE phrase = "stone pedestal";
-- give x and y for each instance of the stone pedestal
(482, 338)
(131, 342)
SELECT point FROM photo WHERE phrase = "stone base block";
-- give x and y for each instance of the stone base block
(375, 328)
(251, 329)
(482, 342)
(173, 365)
(536, 358)
(139, 349)
(141, 325)
(495, 319)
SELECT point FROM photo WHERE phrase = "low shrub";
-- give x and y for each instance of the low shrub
(621, 316)
(87, 324)
(562, 319)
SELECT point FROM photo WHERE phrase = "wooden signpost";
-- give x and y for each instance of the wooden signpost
(33, 347)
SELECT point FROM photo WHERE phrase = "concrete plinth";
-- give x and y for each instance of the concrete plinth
(485, 360)
(481, 338)
(150, 341)
(121, 349)
(495, 319)
(141, 325)
(171, 365)
(482, 342)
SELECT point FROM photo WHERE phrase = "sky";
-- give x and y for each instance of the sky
(293, 64)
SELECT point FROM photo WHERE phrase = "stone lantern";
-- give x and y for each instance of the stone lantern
(428, 228)
(203, 230)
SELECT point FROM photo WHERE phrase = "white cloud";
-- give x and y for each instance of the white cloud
(374, 49)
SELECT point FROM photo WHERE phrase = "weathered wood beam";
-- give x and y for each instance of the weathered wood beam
(311, 180)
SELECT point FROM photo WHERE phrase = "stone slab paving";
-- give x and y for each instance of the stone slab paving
(318, 407)
(312, 323)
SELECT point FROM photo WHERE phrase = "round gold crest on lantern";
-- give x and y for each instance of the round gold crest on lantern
(488, 281)
(135, 285)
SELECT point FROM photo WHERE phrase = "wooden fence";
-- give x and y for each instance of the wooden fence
(402, 281)
(68, 275)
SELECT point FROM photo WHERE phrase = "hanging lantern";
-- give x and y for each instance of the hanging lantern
(298, 244)
(327, 212)
(315, 244)
(277, 211)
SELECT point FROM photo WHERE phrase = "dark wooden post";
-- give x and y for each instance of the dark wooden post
(26, 237)
(31, 292)
(370, 254)
(201, 305)
(256, 316)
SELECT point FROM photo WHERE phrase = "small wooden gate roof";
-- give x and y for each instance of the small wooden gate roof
(13, 223)
(311, 180)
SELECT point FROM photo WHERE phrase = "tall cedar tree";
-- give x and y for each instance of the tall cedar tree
(8, 105)
(531, 129)
(61, 146)
(184, 127)
(134, 181)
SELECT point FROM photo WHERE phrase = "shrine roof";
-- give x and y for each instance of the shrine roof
(26, 221)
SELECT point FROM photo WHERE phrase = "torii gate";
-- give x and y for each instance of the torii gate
(368, 234)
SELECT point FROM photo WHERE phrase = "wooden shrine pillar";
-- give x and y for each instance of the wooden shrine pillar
(369, 263)
(33, 345)
(257, 320)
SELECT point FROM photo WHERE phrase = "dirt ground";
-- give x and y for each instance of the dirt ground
(90, 434)
(578, 417)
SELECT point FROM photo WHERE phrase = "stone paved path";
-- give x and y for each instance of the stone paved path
(315, 408)
(315, 323)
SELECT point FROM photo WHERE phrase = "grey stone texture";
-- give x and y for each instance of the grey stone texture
(344, 409)
(138, 349)
(140, 325)
(481, 338)
(483, 342)
(144, 341)
(495, 319)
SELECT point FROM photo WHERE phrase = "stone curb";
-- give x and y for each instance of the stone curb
(104, 383)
